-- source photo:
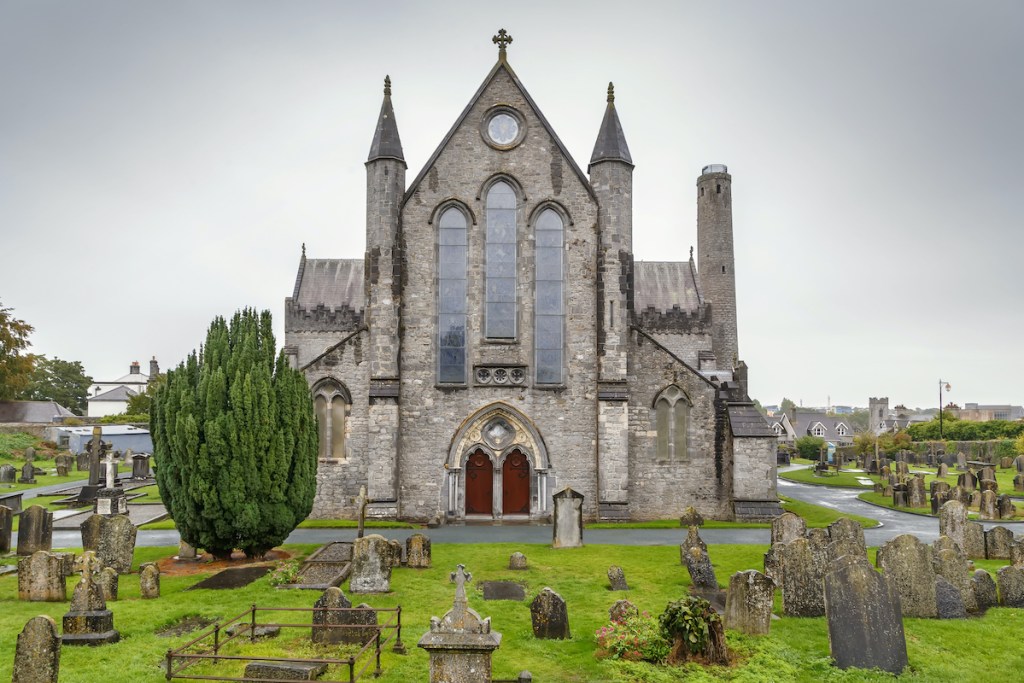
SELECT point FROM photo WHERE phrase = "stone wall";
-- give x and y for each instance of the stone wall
(754, 468)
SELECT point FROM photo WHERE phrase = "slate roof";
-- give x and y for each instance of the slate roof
(804, 422)
(746, 421)
(121, 393)
(664, 285)
(386, 143)
(611, 141)
(32, 411)
(331, 282)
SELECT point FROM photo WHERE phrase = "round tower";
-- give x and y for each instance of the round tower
(715, 260)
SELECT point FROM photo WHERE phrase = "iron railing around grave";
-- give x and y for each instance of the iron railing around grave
(207, 646)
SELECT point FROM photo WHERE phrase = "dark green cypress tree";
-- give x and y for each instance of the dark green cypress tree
(235, 440)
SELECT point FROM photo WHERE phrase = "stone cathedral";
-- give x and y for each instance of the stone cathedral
(498, 342)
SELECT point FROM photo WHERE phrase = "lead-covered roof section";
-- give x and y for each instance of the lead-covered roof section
(333, 283)
(611, 141)
(665, 286)
(386, 142)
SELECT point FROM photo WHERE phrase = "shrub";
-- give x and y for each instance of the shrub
(285, 573)
(809, 446)
(1018, 445)
(695, 629)
(638, 639)
(124, 418)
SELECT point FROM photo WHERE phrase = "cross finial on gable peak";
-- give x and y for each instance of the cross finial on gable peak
(502, 40)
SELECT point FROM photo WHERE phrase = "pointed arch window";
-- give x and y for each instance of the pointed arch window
(500, 296)
(332, 404)
(672, 419)
(451, 297)
(549, 316)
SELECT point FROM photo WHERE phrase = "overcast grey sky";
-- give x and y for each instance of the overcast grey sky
(162, 163)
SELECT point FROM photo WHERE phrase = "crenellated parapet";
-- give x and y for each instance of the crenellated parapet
(321, 318)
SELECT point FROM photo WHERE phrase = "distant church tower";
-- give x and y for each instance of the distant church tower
(878, 412)
(716, 265)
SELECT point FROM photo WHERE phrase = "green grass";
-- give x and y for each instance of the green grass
(796, 649)
(841, 480)
(818, 516)
(312, 524)
(18, 441)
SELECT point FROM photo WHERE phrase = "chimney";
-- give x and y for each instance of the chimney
(154, 368)
(134, 368)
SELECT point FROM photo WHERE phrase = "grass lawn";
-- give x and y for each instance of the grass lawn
(815, 515)
(796, 649)
(313, 524)
(842, 479)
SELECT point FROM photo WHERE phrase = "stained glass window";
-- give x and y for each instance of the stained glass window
(549, 312)
(451, 297)
(500, 294)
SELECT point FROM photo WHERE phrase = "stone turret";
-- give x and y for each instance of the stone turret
(385, 187)
(878, 413)
(611, 176)
(716, 262)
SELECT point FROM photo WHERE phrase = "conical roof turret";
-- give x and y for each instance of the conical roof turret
(611, 141)
(386, 142)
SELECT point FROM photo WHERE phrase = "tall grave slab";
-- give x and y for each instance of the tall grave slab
(41, 578)
(549, 616)
(748, 603)
(567, 529)
(371, 565)
(802, 575)
(113, 540)
(953, 521)
(35, 530)
(417, 552)
(908, 564)
(788, 527)
(6, 524)
(37, 654)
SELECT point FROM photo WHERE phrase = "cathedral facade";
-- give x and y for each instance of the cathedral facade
(499, 343)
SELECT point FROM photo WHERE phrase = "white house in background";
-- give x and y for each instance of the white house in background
(782, 427)
(111, 397)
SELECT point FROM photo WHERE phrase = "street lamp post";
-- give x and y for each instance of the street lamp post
(947, 387)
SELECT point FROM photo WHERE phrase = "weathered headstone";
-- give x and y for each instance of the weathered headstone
(987, 510)
(846, 538)
(394, 553)
(37, 654)
(371, 566)
(773, 563)
(107, 578)
(943, 471)
(149, 581)
(110, 500)
(140, 466)
(186, 551)
(1017, 553)
(1005, 463)
(550, 616)
(974, 540)
(865, 626)
(984, 590)
(916, 492)
(28, 474)
(802, 577)
(6, 524)
(460, 643)
(41, 578)
(748, 603)
(1018, 463)
(691, 517)
(35, 530)
(417, 551)
(332, 598)
(702, 574)
(89, 622)
(952, 520)
(502, 590)
(622, 610)
(284, 671)
(361, 502)
(617, 578)
(908, 564)
(998, 543)
(693, 540)
(7, 473)
(1011, 586)
(948, 600)
(952, 565)
(517, 561)
(82, 461)
(1005, 507)
(113, 540)
(567, 530)
(62, 466)
(788, 527)
(967, 480)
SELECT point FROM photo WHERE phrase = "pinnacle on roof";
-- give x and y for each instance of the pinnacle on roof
(386, 143)
(611, 142)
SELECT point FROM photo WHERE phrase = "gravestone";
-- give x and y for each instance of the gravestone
(1018, 463)
(1005, 463)
(943, 471)
(110, 500)
(916, 492)
(567, 529)
(622, 610)
(284, 671)
(952, 522)
(149, 581)
(952, 565)
(988, 473)
(1011, 586)
(1018, 482)
(30, 454)
(82, 461)
(961, 460)
(987, 509)
(984, 590)
(460, 643)
(107, 578)
(503, 590)
(41, 578)
(371, 567)
(998, 543)
(140, 466)
(617, 578)
(67, 562)
(865, 626)
(62, 466)
(417, 552)
(974, 540)
(900, 497)
(908, 564)
(847, 538)
(1005, 507)
(802, 576)
(89, 622)
(7, 474)
(186, 552)
(113, 540)
(967, 481)
(517, 561)
(361, 502)
(748, 603)
(330, 599)
(691, 517)
(773, 563)
(1017, 553)
(702, 574)
(35, 530)
(28, 474)
(788, 527)
(394, 557)
(37, 654)
(6, 524)
(948, 600)
(550, 616)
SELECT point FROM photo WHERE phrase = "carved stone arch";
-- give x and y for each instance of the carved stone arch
(483, 448)
(555, 206)
(449, 203)
(332, 404)
(517, 187)
(672, 393)
(671, 417)
(526, 435)
(331, 387)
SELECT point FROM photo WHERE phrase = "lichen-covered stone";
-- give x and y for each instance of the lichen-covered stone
(549, 616)
(622, 610)
(998, 543)
(113, 540)
(35, 530)
(332, 598)
(702, 574)
(748, 603)
(984, 590)
(371, 565)
(908, 564)
(802, 577)
(1011, 586)
(517, 561)
(952, 565)
(788, 527)
(149, 581)
(37, 654)
(617, 578)
(952, 520)
(41, 578)
(417, 551)
(107, 579)
(949, 600)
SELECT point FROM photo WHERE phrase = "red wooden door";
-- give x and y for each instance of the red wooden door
(515, 485)
(479, 485)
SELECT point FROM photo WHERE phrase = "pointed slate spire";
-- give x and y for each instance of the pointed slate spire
(386, 143)
(611, 142)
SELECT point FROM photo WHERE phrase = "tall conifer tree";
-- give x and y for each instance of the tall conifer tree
(235, 441)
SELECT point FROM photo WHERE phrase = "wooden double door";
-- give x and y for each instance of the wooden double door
(481, 483)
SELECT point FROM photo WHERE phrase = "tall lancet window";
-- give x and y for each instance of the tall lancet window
(331, 402)
(672, 415)
(451, 297)
(549, 320)
(500, 298)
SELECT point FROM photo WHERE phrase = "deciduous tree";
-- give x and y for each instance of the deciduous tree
(15, 364)
(58, 380)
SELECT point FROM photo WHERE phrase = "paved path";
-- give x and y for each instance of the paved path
(893, 522)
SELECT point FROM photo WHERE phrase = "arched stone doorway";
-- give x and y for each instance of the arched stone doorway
(497, 466)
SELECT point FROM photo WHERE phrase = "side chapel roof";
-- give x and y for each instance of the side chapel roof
(665, 285)
(332, 282)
